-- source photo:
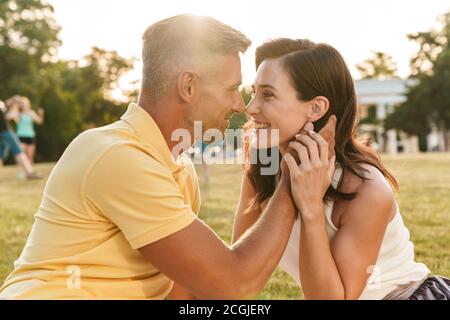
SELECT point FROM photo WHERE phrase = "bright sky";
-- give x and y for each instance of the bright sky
(353, 27)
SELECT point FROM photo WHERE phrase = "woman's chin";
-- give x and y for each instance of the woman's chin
(260, 145)
(265, 138)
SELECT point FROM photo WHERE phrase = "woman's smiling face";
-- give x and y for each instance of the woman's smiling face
(275, 106)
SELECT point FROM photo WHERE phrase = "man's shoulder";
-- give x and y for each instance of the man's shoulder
(95, 143)
(185, 160)
(114, 146)
(113, 132)
(128, 155)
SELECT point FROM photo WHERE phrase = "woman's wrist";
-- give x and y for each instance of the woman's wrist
(313, 214)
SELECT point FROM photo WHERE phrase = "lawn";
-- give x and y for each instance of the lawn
(424, 200)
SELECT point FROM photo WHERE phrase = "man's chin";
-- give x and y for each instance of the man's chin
(221, 126)
(225, 126)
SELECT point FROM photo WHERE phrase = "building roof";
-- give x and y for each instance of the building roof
(390, 91)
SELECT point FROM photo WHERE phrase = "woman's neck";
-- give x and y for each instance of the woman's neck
(283, 147)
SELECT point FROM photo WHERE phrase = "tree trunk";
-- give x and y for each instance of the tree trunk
(445, 136)
(447, 140)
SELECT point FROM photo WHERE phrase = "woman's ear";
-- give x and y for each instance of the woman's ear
(318, 108)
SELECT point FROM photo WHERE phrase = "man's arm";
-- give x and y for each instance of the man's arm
(245, 217)
(198, 260)
(180, 293)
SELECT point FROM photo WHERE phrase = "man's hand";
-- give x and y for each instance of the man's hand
(328, 133)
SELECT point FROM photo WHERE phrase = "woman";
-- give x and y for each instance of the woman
(25, 118)
(10, 143)
(350, 241)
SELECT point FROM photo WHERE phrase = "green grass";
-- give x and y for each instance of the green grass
(424, 201)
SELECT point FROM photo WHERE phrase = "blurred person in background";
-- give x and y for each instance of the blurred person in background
(25, 118)
(10, 143)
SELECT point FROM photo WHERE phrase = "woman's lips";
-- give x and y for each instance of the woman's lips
(262, 125)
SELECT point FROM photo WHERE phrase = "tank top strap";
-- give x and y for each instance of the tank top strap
(337, 175)
(329, 204)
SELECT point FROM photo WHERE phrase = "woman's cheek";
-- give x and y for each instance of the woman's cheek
(285, 135)
(290, 130)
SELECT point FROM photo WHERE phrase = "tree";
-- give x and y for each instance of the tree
(239, 119)
(92, 80)
(379, 66)
(431, 44)
(28, 41)
(428, 102)
(62, 122)
(74, 94)
(411, 117)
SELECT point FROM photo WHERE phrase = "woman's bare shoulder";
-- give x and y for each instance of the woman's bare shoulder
(374, 181)
(373, 191)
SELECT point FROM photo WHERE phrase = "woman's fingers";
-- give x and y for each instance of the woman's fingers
(291, 163)
(312, 146)
(302, 152)
(322, 144)
(308, 127)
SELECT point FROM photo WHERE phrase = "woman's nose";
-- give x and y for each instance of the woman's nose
(252, 108)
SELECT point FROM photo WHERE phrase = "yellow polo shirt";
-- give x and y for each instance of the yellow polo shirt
(114, 190)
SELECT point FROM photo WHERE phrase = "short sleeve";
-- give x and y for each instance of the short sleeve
(138, 194)
(192, 183)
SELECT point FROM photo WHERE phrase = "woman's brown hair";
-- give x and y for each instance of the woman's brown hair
(318, 70)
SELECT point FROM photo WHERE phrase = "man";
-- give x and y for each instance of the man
(118, 216)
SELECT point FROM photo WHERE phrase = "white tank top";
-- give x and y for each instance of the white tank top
(395, 264)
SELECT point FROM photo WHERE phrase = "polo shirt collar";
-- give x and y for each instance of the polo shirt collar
(150, 135)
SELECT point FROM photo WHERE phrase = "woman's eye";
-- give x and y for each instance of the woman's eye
(267, 95)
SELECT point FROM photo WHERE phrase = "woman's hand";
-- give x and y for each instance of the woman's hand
(284, 167)
(311, 179)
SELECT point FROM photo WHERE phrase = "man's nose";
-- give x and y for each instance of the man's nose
(239, 106)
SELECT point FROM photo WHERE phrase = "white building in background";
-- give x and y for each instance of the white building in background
(377, 99)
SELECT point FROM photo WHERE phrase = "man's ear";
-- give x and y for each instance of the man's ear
(318, 108)
(187, 86)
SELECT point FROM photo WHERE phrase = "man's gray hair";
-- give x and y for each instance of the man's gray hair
(171, 44)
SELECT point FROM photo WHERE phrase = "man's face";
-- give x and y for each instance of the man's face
(219, 95)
